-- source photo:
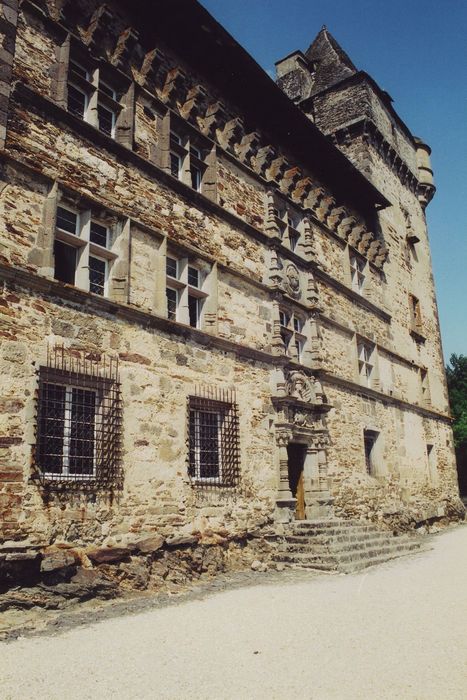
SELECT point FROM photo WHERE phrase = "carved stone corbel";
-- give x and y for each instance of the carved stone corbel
(175, 86)
(151, 68)
(277, 169)
(290, 179)
(194, 105)
(215, 118)
(248, 147)
(98, 27)
(231, 134)
(126, 43)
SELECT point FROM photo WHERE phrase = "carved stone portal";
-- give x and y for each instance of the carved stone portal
(300, 411)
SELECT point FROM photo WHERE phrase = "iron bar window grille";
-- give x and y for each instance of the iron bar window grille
(79, 419)
(213, 437)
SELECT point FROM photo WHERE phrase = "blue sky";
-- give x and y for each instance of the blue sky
(417, 51)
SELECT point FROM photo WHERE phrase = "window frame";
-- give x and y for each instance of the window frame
(293, 336)
(67, 430)
(222, 404)
(357, 272)
(186, 291)
(366, 362)
(84, 247)
(99, 378)
(184, 147)
(197, 478)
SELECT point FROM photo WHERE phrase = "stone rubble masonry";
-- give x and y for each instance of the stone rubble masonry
(232, 231)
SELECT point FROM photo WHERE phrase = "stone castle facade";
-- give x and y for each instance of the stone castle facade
(217, 305)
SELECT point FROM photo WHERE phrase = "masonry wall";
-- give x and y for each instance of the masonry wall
(229, 230)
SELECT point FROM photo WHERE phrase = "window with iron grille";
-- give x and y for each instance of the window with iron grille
(78, 421)
(213, 440)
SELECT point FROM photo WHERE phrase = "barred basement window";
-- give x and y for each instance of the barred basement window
(213, 439)
(78, 421)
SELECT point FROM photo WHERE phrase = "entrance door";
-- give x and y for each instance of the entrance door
(296, 454)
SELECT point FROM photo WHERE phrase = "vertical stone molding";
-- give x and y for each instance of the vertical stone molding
(8, 23)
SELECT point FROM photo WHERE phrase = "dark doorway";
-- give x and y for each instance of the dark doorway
(296, 454)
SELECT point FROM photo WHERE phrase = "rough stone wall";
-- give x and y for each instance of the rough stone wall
(157, 494)
(406, 491)
(50, 158)
(8, 24)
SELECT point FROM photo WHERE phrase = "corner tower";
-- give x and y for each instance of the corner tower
(347, 105)
(351, 109)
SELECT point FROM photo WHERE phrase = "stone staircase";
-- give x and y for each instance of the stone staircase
(341, 545)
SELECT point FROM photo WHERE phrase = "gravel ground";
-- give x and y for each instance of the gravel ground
(396, 631)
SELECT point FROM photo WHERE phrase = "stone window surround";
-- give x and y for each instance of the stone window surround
(85, 248)
(357, 267)
(62, 54)
(416, 323)
(213, 439)
(432, 463)
(366, 363)
(289, 220)
(293, 333)
(186, 159)
(79, 394)
(425, 387)
(188, 295)
(373, 449)
(103, 87)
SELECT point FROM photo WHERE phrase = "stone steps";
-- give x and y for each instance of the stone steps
(337, 547)
(345, 546)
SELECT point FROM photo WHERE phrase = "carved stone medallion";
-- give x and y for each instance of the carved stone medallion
(292, 281)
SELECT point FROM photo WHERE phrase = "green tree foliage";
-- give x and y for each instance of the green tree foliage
(457, 386)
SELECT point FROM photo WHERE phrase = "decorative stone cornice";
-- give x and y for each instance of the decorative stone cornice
(368, 130)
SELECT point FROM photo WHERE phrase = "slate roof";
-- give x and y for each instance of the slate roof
(332, 64)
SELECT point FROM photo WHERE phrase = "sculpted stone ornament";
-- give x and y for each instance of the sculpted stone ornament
(301, 418)
(300, 386)
(292, 281)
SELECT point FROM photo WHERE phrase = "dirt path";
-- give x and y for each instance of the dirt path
(397, 631)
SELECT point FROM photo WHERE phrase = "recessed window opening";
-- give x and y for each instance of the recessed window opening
(370, 438)
(365, 363)
(213, 458)
(65, 262)
(357, 271)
